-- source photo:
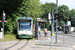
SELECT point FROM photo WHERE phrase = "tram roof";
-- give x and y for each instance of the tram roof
(28, 18)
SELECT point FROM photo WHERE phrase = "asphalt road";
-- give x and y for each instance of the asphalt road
(70, 38)
(30, 45)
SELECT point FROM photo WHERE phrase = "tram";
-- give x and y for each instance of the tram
(24, 27)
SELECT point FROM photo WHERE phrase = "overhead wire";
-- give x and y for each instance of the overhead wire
(65, 2)
(62, 3)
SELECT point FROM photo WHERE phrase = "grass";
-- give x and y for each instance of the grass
(0, 40)
(11, 37)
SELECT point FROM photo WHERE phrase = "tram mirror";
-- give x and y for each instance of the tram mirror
(30, 25)
(16, 23)
(18, 20)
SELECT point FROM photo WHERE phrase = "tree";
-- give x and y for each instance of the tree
(35, 10)
(10, 7)
(63, 12)
(46, 8)
(72, 17)
(15, 9)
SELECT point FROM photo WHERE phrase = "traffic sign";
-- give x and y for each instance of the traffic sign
(0, 20)
(3, 21)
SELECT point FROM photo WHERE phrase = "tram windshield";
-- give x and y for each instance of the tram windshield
(25, 26)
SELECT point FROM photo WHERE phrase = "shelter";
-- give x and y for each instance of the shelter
(38, 26)
(41, 20)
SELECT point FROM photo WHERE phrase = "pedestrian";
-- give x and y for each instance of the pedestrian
(39, 35)
(45, 31)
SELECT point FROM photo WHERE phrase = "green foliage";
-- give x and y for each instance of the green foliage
(15, 9)
(72, 13)
(12, 12)
(35, 10)
(46, 8)
(31, 8)
(63, 13)
(9, 37)
(72, 17)
(48, 26)
(12, 37)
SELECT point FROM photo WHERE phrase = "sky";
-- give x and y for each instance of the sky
(69, 3)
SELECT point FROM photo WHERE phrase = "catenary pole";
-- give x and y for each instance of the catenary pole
(52, 29)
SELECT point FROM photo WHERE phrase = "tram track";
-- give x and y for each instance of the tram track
(24, 44)
(17, 44)
(13, 45)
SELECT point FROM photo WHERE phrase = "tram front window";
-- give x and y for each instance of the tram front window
(25, 26)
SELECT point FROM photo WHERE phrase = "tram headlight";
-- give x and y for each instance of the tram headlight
(27, 33)
(20, 33)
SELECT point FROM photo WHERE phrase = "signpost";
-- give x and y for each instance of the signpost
(64, 33)
(3, 25)
(69, 24)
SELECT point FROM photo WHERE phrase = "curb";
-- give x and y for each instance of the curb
(57, 44)
(74, 46)
(54, 45)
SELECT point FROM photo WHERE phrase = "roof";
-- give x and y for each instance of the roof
(41, 20)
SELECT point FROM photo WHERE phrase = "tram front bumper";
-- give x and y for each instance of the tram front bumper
(24, 36)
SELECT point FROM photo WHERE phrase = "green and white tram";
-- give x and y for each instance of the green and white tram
(24, 27)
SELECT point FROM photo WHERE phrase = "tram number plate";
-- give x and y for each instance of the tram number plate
(24, 35)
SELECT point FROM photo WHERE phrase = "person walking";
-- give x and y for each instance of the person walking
(45, 31)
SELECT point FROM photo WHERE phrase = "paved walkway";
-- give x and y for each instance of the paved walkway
(46, 41)
(43, 37)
